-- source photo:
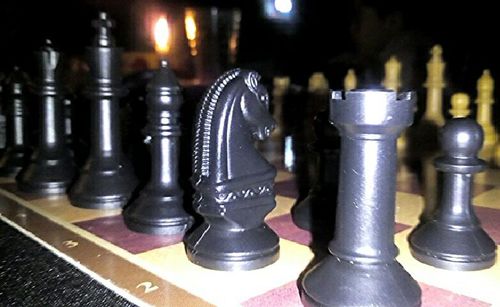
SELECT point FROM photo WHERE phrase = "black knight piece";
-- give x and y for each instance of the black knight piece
(17, 152)
(234, 184)
(51, 169)
(362, 270)
(453, 238)
(158, 209)
(106, 181)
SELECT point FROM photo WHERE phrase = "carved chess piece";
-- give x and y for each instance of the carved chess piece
(453, 238)
(17, 152)
(107, 180)
(316, 212)
(159, 207)
(361, 269)
(350, 80)
(233, 182)
(435, 84)
(51, 170)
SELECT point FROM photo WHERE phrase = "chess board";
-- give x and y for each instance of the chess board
(154, 270)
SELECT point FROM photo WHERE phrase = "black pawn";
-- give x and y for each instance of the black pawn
(316, 212)
(159, 207)
(17, 152)
(106, 181)
(51, 169)
(453, 238)
(361, 269)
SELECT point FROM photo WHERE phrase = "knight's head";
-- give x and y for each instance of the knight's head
(255, 107)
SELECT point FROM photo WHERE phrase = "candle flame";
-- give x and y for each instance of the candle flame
(190, 24)
(162, 35)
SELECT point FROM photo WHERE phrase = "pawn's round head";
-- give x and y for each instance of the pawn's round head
(461, 138)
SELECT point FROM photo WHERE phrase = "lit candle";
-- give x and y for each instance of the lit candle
(161, 34)
(191, 29)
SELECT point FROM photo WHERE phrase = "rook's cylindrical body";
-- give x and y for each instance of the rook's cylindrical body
(361, 269)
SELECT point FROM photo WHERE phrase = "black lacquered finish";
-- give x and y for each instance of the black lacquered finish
(17, 152)
(453, 238)
(51, 169)
(159, 207)
(316, 212)
(107, 179)
(362, 270)
(234, 184)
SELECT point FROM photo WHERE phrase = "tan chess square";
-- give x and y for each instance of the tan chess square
(172, 264)
(61, 208)
(483, 285)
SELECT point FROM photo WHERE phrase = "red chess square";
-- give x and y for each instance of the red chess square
(283, 225)
(489, 218)
(114, 230)
(288, 295)
(287, 188)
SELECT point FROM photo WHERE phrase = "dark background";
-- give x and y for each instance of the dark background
(328, 36)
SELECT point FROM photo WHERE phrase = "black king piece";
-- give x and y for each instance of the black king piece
(51, 169)
(159, 207)
(17, 150)
(107, 179)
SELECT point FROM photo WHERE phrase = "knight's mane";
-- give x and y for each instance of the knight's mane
(201, 148)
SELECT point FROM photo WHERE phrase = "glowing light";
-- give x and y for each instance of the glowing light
(191, 30)
(283, 6)
(162, 35)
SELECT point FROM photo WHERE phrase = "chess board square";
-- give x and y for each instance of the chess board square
(114, 230)
(489, 220)
(284, 296)
(288, 295)
(283, 225)
(434, 296)
(287, 188)
(227, 288)
(462, 283)
(285, 228)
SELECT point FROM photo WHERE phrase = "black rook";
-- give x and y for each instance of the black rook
(362, 270)
(51, 169)
(107, 180)
(159, 208)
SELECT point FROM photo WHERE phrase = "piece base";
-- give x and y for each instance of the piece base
(102, 189)
(227, 250)
(451, 247)
(163, 226)
(104, 203)
(230, 263)
(301, 213)
(336, 282)
(448, 263)
(46, 189)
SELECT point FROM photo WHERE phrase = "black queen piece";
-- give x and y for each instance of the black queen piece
(234, 184)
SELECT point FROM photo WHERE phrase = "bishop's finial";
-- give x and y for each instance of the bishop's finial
(103, 25)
